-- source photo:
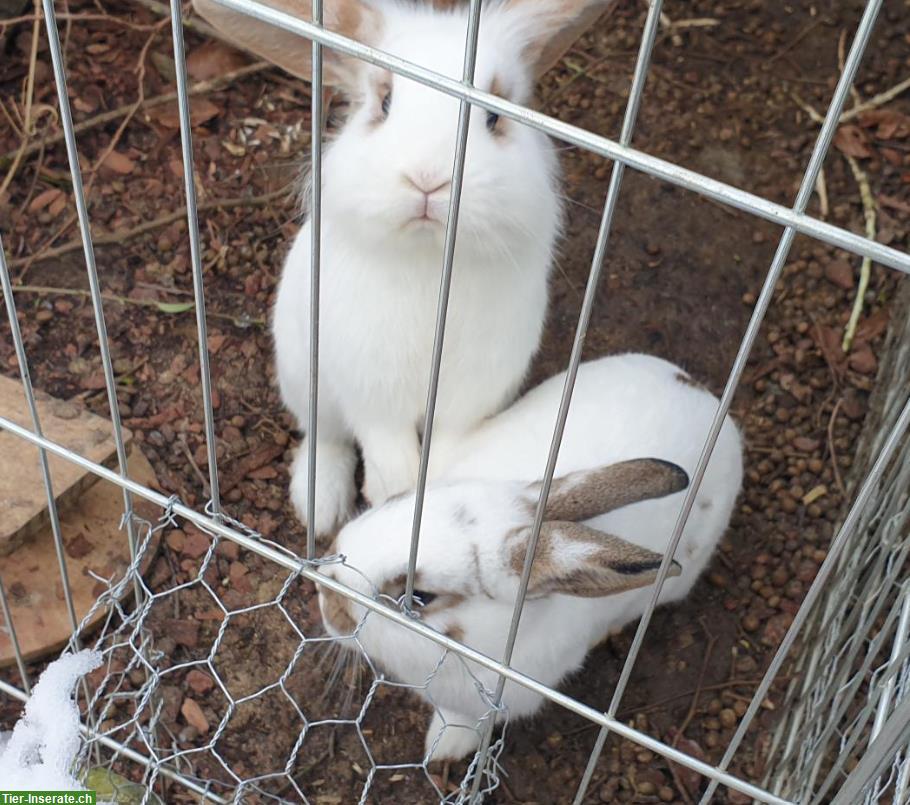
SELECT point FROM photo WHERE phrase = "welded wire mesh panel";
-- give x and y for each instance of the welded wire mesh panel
(324, 696)
(850, 674)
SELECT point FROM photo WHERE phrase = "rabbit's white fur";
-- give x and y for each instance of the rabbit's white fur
(381, 265)
(624, 407)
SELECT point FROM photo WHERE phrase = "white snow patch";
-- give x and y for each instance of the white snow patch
(39, 754)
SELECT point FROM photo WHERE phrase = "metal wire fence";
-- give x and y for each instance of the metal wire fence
(127, 726)
(851, 675)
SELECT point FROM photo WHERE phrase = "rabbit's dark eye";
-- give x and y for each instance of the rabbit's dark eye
(492, 120)
(424, 598)
(386, 103)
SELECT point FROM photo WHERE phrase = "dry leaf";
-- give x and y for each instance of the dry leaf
(119, 163)
(213, 59)
(872, 326)
(890, 123)
(201, 111)
(851, 140)
(58, 205)
(829, 342)
(44, 199)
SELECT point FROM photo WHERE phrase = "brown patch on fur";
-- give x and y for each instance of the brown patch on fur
(563, 23)
(585, 494)
(612, 565)
(289, 51)
(394, 588)
(336, 611)
(688, 380)
(455, 633)
(478, 572)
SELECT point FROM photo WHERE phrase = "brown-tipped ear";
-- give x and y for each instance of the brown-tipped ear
(587, 493)
(293, 53)
(554, 26)
(573, 559)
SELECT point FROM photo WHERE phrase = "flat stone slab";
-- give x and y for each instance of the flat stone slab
(23, 499)
(93, 543)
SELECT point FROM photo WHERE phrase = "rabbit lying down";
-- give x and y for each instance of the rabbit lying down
(610, 515)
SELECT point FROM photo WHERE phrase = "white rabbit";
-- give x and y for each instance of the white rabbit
(385, 198)
(477, 518)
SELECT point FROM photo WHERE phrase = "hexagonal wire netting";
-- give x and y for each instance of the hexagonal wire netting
(126, 725)
(853, 671)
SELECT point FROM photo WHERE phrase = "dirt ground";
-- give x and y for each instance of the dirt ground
(727, 96)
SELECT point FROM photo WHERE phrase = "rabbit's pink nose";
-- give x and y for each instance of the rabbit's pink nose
(425, 184)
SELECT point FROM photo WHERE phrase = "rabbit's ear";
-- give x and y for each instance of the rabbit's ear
(573, 559)
(587, 493)
(293, 53)
(552, 26)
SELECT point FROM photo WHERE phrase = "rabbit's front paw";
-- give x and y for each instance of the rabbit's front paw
(390, 465)
(450, 738)
(335, 491)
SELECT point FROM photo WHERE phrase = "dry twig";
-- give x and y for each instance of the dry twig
(876, 100)
(82, 17)
(147, 226)
(139, 69)
(865, 271)
(125, 300)
(210, 85)
(29, 97)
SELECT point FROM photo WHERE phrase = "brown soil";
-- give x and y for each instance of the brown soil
(681, 277)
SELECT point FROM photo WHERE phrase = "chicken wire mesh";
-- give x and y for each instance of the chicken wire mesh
(125, 725)
(137, 643)
(851, 673)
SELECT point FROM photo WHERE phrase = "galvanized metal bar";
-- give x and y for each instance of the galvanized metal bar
(192, 218)
(783, 250)
(900, 638)
(66, 122)
(894, 734)
(639, 77)
(445, 282)
(846, 695)
(309, 571)
(315, 258)
(903, 780)
(53, 515)
(595, 143)
(13, 638)
(807, 187)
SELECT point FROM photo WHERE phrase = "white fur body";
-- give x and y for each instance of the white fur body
(623, 407)
(381, 266)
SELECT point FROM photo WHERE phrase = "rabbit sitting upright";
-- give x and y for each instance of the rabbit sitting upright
(609, 518)
(385, 199)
